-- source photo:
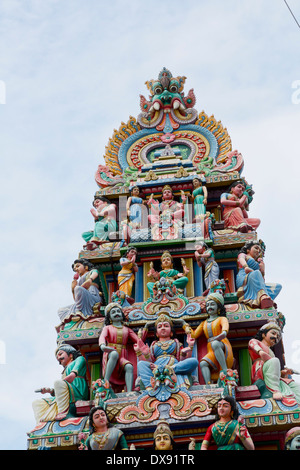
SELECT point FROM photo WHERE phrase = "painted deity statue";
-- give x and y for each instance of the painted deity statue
(234, 208)
(85, 290)
(199, 197)
(219, 355)
(134, 208)
(163, 437)
(166, 217)
(105, 216)
(127, 274)
(114, 341)
(177, 280)
(267, 367)
(166, 357)
(136, 215)
(228, 432)
(252, 289)
(292, 439)
(205, 256)
(71, 387)
(102, 435)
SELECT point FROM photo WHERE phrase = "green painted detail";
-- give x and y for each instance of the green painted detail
(245, 367)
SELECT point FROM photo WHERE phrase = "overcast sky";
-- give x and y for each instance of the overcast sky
(70, 73)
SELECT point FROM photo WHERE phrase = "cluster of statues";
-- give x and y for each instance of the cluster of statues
(167, 216)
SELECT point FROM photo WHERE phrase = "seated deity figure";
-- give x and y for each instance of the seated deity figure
(71, 387)
(85, 288)
(219, 355)
(234, 208)
(177, 280)
(105, 216)
(252, 289)
(114, 342)
(166, 217)
(266, 366)
(166, 356)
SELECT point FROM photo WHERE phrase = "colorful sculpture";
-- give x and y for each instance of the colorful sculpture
(292, 439)
(176, 279)
(205, 256)
(127, 274)
(102, 436)
(219, 355)
(235, 206)
(199, 197)
(163, 437)
(167, 364)
(105, 216)
(114, 342)
(70, 388)
(166, 217)
(134, 208)
(228, 432)
(267, 368)
(85, 290)
(252, 289)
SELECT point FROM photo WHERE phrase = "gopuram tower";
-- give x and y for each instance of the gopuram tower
(170, 307)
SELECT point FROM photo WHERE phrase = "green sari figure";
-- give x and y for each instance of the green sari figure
(199, 197)
(228, 432)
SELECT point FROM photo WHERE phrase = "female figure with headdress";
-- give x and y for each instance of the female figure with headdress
(114, 342)
(103, 436)
(251, 287)
(166, 353)
(127, 274)
(215, 328)
(199, 197)
(105, 216)
(176, 279)
(134, 208)
(228, 432)
(85, 290)
(205, 256)
(163, 437)
(234, 208)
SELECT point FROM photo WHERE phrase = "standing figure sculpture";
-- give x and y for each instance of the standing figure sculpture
(219, 355)
(114, 341)
(127, 274)
(234, 208)
(228, 432)
(166, 358)
(267, 367)
(177, 280)
(105, 216)
(103, 436)
(251, 287)
(71, 387)
(134, 208)
(205, 256)
(85, 290)
(199, 197)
